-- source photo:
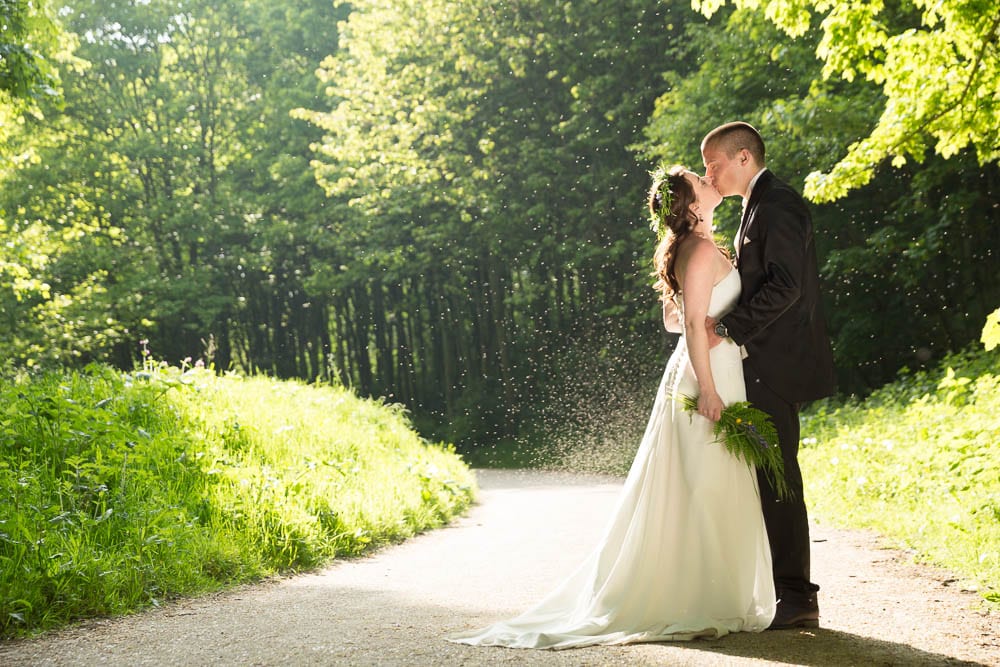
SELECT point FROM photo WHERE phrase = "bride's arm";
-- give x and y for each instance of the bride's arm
(671, 318)
(696, 283)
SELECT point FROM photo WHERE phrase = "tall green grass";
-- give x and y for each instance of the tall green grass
(120, 491)
(919, 462)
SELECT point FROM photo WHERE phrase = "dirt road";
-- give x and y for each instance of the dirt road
(394, 607)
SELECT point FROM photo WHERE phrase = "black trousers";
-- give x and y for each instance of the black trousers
(786, 520)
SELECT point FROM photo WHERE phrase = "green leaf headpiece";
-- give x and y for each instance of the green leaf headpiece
(663, 200)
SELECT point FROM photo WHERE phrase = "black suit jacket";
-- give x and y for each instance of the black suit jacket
(778, 318)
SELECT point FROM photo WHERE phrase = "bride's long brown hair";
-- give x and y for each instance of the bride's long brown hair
(670, 199)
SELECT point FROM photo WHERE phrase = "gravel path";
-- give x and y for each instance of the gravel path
(393, 608)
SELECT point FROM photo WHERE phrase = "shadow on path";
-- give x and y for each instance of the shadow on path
(824, 647)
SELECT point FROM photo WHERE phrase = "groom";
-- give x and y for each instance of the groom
(779, 325)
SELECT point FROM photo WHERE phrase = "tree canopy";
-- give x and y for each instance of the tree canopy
(442, 203)
(32, 44)
(937, 63)
(28, 34)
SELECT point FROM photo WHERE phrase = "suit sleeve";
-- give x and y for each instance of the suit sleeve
(783, 231)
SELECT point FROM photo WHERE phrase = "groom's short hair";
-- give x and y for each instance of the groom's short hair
(734, 137)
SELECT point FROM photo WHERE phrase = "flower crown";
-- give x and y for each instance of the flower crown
(663, 200)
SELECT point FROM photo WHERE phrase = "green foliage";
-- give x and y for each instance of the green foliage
(493, 204)
(119, 491)
(171, 195)
(937, 64)
(482, 171)
(991, 332)
(919, 462)
(33, 45)
(28, 33)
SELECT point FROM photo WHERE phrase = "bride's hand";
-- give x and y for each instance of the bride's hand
(710, 405)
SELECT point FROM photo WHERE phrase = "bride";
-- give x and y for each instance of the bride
(685, 554)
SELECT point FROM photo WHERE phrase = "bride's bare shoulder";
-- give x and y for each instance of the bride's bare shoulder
(696, 248)
(702, 255)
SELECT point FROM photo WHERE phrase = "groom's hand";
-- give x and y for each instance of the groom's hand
(713, 338)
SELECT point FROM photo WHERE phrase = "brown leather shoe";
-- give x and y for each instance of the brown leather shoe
(790, 615)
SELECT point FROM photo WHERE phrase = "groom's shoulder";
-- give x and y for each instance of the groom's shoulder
(777, 189)
(782, 202)
(772, 182)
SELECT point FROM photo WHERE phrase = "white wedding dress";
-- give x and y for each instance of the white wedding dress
(685, 554)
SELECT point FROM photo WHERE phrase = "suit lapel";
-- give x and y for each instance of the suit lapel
(762, 184)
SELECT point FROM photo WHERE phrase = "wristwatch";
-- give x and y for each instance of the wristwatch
(721, 331)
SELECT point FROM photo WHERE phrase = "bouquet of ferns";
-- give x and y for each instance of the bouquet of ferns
(749, 434)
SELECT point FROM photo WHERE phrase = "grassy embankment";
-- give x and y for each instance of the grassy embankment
(919, 462)
(118, 492)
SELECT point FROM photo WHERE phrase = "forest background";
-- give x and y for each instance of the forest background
(442, 202)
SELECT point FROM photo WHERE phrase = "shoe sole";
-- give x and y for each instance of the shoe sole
(805, 623)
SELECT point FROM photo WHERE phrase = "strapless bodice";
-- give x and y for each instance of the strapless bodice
(725, 294)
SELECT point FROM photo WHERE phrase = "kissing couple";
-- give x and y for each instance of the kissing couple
(699, 544)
